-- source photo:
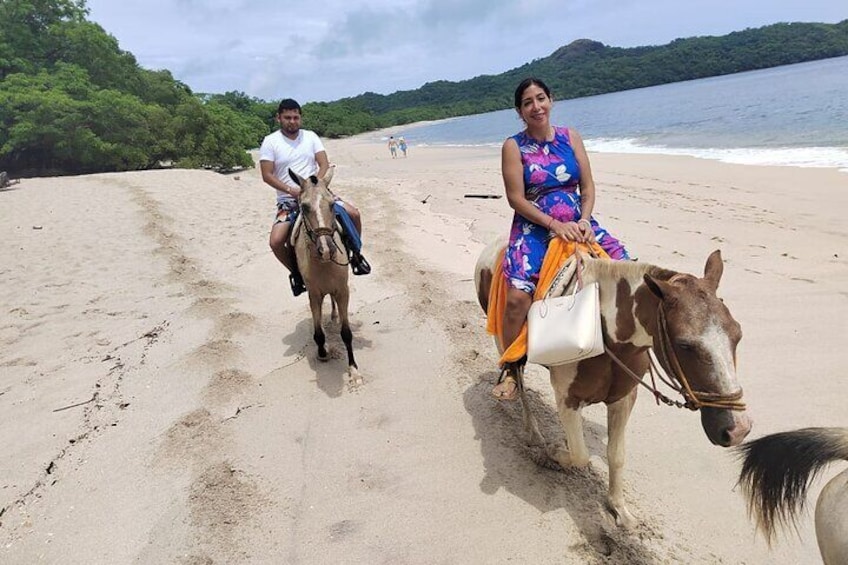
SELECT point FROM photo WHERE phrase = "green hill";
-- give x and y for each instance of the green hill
(585, 68)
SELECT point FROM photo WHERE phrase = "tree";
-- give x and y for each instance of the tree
(25, 29)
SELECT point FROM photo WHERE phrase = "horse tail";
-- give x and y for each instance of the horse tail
(778, 469)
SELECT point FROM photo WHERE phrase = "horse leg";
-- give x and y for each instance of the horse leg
(577, 454)
(315, 303)
(342, 299)
(531, 426)
(334, 315)
(617, 415)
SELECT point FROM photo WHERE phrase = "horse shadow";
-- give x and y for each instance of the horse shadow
(331, 374)
(528, 473)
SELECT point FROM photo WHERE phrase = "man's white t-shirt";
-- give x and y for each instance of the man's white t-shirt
(295, 154)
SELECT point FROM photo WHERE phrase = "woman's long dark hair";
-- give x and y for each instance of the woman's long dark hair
(527, 83)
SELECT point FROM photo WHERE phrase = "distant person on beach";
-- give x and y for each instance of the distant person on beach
(393, 146)
(402, 145)
(301, 151)
(549, 185)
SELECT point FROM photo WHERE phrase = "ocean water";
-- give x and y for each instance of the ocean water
(795, 115)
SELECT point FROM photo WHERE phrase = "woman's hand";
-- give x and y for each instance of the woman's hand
(569, 231)
(586, 230)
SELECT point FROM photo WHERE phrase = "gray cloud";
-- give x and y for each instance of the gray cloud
(340, 48)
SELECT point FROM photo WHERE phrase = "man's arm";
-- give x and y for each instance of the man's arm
(323, 163)
(267, 168)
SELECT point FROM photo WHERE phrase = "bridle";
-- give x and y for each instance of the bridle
(672, 374)
(315, 233)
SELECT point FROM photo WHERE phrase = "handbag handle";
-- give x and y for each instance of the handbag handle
(577, 287)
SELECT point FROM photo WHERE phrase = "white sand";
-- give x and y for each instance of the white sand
(211, 434)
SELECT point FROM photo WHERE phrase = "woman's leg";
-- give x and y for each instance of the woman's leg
(528, 243)
(515, 314)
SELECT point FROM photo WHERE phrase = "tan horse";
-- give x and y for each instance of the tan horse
(322, 261)
(694, 338)
(777, 470)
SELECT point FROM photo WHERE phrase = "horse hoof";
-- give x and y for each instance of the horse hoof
(539, 455)
(354, 379)
(624, 519)
(564, 459)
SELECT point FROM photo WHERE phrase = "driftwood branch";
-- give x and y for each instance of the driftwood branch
(76, 404)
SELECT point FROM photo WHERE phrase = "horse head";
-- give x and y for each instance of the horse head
(695, 339)
(316, 208)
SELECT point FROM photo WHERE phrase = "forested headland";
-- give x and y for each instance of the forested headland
(72, 101)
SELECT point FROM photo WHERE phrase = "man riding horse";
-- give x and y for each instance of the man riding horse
(301, 150)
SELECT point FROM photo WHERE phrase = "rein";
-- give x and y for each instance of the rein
(314, 233)
(693, 400)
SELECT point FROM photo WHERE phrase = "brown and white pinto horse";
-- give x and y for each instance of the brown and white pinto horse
(322, 261)
(643, 306)
(776, 471)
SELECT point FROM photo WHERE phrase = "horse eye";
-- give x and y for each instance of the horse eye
(685, 345)
(305, 208)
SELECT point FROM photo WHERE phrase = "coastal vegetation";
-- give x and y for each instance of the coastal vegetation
(72, 101)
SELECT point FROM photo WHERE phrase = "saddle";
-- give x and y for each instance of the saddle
(351, 240)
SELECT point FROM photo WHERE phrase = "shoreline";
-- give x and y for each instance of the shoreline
(818, 157)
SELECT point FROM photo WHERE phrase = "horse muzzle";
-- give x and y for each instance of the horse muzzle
(326, 249)
(725, 427)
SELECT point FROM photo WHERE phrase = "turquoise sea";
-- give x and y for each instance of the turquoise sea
(792, 115)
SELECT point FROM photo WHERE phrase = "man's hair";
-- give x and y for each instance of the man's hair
(288, 104)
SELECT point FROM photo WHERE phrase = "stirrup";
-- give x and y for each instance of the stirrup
(297, 285)
(510, 373)
(358, 264)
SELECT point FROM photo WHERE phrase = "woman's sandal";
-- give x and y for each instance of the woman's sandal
(506, 388)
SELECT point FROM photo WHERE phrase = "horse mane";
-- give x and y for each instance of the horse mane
(630, 270)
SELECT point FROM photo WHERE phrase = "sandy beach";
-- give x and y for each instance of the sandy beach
(162, 401)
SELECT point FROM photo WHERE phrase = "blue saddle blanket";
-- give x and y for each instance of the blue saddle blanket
(351, 236)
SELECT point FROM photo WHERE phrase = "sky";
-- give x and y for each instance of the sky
(324, 50)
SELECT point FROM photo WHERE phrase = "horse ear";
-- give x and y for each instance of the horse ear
(657, 287)
(294, 176)
(714, 268)
(328, 176)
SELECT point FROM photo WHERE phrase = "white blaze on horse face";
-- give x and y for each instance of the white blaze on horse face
(320, 222)
(718, 344)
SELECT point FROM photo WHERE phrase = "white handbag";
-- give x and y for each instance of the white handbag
(565, 329)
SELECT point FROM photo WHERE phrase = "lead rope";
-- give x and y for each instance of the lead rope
(657, 394)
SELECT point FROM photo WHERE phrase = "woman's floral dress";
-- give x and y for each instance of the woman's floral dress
(551, 181)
